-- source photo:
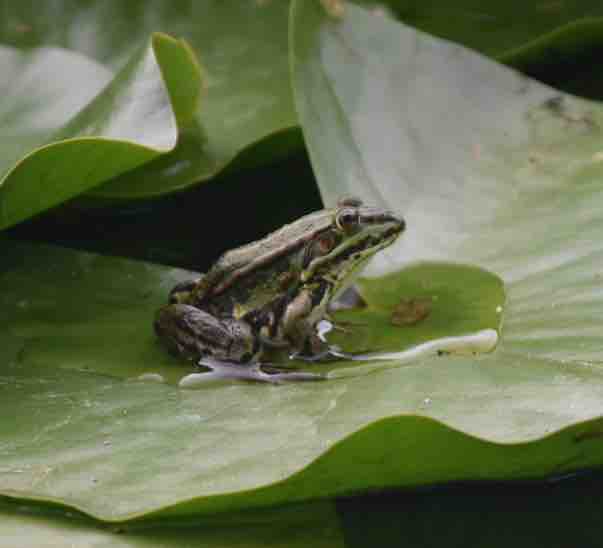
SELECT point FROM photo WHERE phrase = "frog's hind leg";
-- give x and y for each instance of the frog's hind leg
(193, 333)
(220, 370)
(226, 346)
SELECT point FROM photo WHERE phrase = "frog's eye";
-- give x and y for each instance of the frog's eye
(347, 220)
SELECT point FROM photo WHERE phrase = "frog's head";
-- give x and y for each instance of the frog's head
(355, 234)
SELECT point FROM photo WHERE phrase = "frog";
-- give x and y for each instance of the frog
(272, 294)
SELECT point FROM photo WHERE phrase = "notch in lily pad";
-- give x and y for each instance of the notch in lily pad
(424, 302)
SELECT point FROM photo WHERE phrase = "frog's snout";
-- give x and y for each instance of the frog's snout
(398, 222)
(394, 223)
(384, 218)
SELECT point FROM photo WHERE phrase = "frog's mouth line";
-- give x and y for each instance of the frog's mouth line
(371, 244)
(360, 252)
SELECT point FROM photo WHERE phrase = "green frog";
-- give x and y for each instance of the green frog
(272, 293)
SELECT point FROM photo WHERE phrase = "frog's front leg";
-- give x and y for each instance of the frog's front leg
(194, 334)
(299, 328)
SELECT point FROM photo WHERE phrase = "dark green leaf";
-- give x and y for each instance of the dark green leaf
(87, 126)
(242, 46)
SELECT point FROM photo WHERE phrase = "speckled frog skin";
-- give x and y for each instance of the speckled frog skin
(272, 293)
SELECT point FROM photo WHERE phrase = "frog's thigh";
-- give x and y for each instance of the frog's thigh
(193, 333)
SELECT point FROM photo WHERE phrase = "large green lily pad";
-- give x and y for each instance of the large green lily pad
(490, 170)
(77, 350)
(555, 514)
(491, 27)
(554, 42)
(63, 136)
(243, 47)
(488, 167)
(290, 526)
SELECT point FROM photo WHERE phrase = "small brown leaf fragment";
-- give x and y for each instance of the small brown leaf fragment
(23, 28)
(411, 311)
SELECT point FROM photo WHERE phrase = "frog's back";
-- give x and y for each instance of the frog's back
(238, 262)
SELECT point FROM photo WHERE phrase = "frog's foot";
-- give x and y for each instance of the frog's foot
(328, 354)
(343, 327)
(227, 370)
(273, 344)
(272, 373)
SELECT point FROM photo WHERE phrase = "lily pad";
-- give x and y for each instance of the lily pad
(79, 366)
(247, 94)
(64, 138)
(314, 524)
(568, 514)
(491, 27)
(419, 304)
(491, 171)
(554, 42)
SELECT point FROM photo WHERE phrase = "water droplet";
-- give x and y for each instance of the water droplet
(322, 328)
